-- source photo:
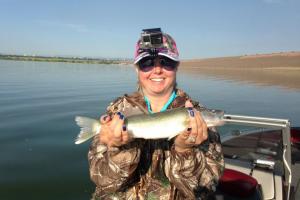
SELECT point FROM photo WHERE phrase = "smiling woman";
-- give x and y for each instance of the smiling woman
(187, 166)
(157, 81)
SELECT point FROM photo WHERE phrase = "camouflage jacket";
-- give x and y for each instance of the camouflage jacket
(152, 169)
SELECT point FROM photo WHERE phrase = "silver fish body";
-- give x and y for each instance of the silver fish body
(166, 124)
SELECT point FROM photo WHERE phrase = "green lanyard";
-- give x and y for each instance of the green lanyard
(171, 99)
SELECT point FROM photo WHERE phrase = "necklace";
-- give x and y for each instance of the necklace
(171, 99)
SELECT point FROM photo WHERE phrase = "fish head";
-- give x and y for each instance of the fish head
(213, 117)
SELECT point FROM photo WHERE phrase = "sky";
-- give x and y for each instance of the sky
(110, 28)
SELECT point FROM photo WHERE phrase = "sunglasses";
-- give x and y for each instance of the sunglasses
(147, 64)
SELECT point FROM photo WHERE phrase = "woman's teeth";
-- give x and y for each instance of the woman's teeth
(157, 79)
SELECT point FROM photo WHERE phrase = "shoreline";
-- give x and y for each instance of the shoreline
(279, 69)
(283, 77)
(63, 59)
(276, 69)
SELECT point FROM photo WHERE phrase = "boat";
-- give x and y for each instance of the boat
(262, 160)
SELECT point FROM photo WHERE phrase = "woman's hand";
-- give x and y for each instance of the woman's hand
(113, 131)
(195, 134)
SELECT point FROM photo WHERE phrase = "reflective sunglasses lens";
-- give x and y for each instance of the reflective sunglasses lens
(168, 64)
(146, 64)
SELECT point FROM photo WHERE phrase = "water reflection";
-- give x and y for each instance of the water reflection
(286, 78)
(38, 102)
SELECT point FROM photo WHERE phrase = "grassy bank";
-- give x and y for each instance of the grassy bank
(63, 59)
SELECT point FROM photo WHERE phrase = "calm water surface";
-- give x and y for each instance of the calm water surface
(38, 102)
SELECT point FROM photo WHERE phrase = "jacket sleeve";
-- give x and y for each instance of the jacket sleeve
(111, 169)
(196, 173)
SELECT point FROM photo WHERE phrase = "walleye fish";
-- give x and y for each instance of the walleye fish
(166, 124)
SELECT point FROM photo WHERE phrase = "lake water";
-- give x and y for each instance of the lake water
(38, 102)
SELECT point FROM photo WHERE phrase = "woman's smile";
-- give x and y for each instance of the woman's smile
(157, 79)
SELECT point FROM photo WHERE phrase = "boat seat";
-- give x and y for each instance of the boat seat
(269, 184)
(266, 180)
(295, 136)
(237, 184)
(295, 141)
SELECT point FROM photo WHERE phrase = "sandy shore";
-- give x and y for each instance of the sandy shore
(279, 69)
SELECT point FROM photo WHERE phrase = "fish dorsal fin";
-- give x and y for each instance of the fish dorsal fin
(131, 100)
(129, 108)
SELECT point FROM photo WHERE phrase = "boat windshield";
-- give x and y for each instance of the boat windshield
(251, 143)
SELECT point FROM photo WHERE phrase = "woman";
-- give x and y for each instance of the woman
(187, 167)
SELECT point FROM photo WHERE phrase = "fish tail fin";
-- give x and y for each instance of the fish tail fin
(88, 128)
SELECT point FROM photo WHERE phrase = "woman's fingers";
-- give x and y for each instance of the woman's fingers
(202, 129)
(114, 121)
(198, 126)
(192, 130)
(188, 104)
(117, 126)
(113, 130)
(193, 125)
(105, 119)
(125, 136)
(181, 144)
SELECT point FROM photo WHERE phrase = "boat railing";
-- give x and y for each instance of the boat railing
(263, 122)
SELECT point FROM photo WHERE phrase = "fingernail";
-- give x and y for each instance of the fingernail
(121, 116)
(189, 129)
(190, 108)
(192, 114)
(119, 113)
(104, 118)
(124, 127)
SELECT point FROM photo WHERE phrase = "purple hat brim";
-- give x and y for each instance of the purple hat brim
(146, 54)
